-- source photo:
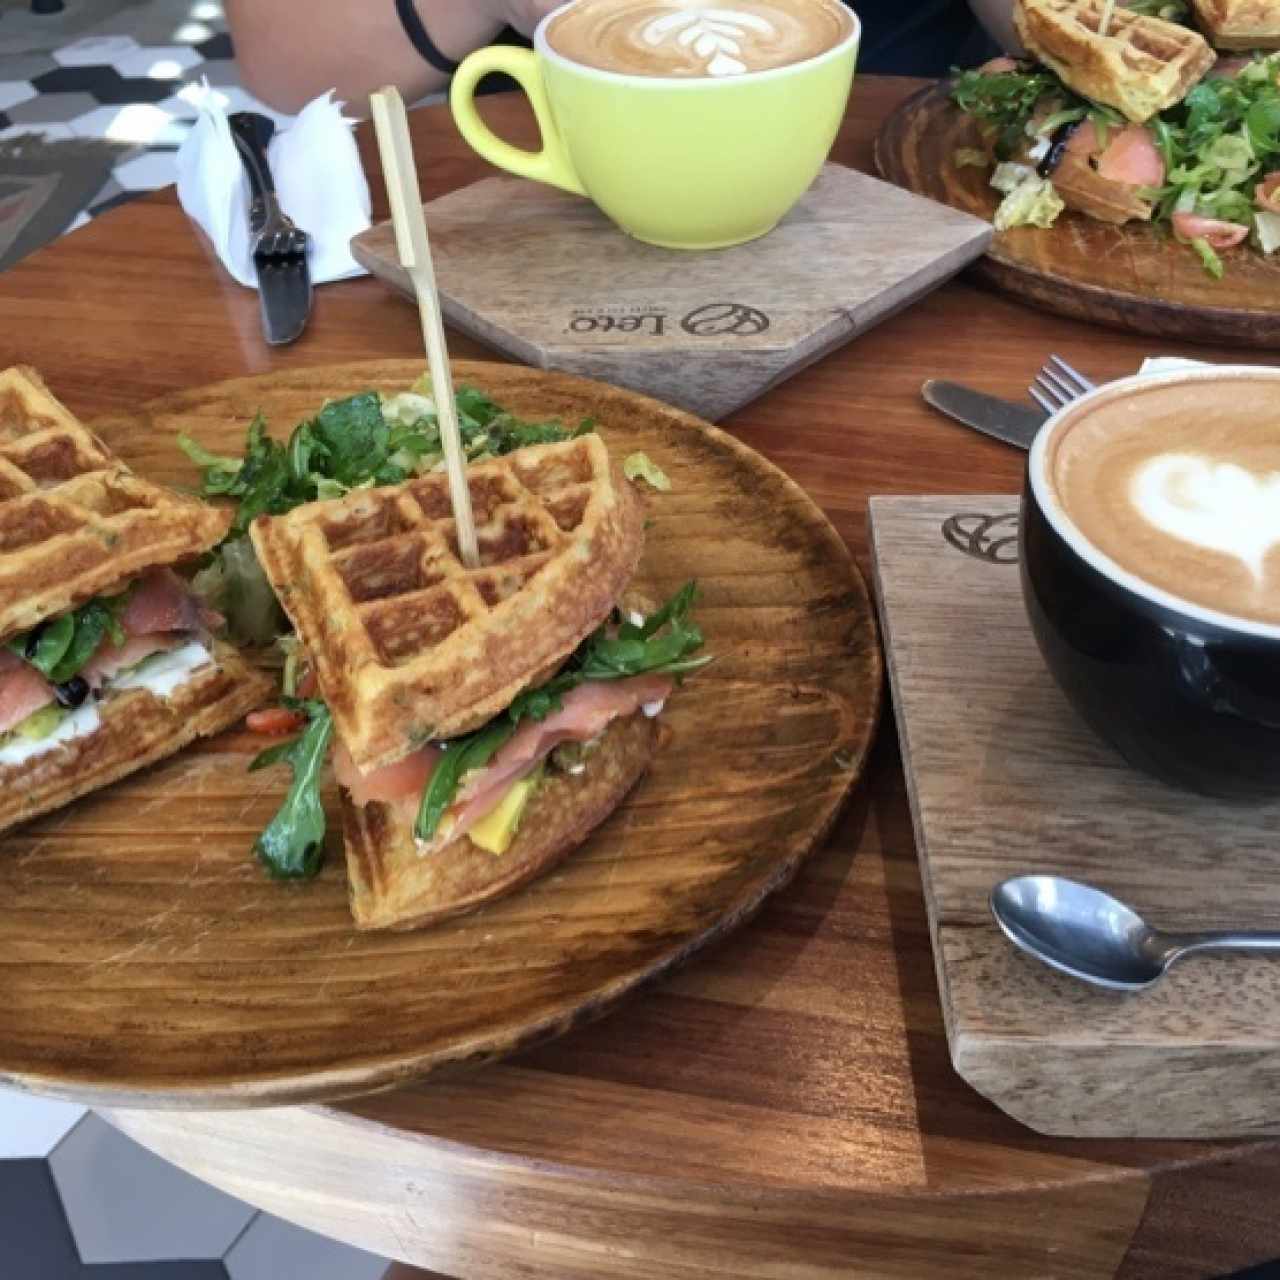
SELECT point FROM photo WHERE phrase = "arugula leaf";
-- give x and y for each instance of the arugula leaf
(292, 845)
(1208, 256)
(350, 438)
(59, 649)
(1004, 101)
(471, 752)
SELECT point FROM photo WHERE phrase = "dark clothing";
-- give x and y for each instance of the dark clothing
(899, 38)
(925, 38)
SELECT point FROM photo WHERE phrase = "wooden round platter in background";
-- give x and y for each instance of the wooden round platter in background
(148, 961)
(1130, 277)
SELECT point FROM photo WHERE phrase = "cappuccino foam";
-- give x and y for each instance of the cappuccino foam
(695, 40)
(1179, 484)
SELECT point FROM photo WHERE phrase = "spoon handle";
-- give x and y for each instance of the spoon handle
(1177, 945)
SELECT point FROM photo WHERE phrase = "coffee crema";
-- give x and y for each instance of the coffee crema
(1179, 484)
(691, 40)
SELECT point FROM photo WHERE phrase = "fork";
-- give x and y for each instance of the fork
(275, 234)
(1057, 385)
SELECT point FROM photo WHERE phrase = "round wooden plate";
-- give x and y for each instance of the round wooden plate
(146, 960)
(1130, 277)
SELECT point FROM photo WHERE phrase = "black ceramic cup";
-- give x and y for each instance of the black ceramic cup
(1183, 692)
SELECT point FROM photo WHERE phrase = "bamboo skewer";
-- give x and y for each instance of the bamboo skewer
(392, 128)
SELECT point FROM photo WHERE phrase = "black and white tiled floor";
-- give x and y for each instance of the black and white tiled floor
(80, 1201)
(129, 72)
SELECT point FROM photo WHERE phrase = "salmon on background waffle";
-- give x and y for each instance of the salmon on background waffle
(408, 645)
(1139, 65)
(107, 663)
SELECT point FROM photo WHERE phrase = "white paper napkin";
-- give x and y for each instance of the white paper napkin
(1169, 364)
(318, 178)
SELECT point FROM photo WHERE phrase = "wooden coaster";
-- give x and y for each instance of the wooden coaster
(543, 276)
(1004, 779)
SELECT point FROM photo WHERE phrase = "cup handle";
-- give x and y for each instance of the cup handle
(552, 163)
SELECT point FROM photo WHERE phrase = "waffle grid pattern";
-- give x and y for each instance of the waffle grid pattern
(407, 641)
(74, 520)
(1141, 66)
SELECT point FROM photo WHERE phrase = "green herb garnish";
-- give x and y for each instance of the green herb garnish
(61, 648)
(292, 845)
(353, 443)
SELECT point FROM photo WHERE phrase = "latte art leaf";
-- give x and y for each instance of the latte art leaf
(1215, 505)
(697, 40)
(715, 34)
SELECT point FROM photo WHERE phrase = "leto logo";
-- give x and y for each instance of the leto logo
(718, 319)
(990, 538)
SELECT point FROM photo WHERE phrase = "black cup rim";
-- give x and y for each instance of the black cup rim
(1074, 537)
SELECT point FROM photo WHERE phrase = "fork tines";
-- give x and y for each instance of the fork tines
(1058, 384)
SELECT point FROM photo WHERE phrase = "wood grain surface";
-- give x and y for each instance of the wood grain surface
(796, 1073)
(141, 913)
(546, 278)
(1005, 779)
(1131, 276)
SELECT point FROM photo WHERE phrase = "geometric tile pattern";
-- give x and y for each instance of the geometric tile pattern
(101, 1207)
(126, 70)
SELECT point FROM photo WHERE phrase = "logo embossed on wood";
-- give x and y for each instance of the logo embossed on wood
(717, 319)
(990, 538)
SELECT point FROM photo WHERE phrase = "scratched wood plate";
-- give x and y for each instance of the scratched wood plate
(1005, 779)
(1128, 277)
(147, 961)
(545, 277)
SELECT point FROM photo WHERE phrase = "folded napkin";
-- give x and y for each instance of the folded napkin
(318, 179)
(1169, 364)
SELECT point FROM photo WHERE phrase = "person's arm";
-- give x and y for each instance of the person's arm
(288, 51)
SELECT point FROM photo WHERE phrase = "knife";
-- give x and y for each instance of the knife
(1015, 424)
(279, 247)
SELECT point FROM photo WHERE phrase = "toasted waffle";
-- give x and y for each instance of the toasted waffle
(1239, 24)
(74, 520)
(1141, 66)
(135, 729)
(391, 887)
(1084, 189)
(407, 644)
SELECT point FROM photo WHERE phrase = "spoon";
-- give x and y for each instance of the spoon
(1082, 931)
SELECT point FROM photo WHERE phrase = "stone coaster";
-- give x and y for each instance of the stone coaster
(543, 276)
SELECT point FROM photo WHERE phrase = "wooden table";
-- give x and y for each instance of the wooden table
(785, 1106)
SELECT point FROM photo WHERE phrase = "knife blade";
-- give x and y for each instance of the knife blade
(280, 248)
(1014, 424)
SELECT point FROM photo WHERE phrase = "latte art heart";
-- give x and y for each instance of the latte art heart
(1215, 505)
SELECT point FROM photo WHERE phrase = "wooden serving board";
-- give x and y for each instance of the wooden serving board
(146, 960)
(1004, 779)
(1130, 277)
(547, 278)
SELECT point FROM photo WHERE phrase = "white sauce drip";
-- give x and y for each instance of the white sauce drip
(716, 36)
(1215, 505)
(161, 674)
(80, 723)
(164, 672)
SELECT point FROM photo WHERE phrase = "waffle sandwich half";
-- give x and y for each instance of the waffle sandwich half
(1140, 66)
(487, 720)
(106, 663)
(408, 645)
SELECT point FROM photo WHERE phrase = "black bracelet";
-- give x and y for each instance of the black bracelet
(422, 42)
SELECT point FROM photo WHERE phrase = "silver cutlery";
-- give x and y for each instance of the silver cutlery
(1084, 932)
(1014, 424)
(1058, 384)
(279, 246)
